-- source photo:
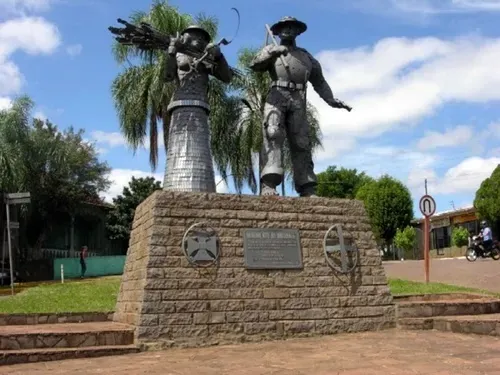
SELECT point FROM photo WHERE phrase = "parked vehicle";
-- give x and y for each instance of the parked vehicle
(475, 250)
(5, 274)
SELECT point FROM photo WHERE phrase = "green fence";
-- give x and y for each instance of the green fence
(96, 266)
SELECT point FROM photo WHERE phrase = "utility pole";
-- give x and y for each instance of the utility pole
(427, 206)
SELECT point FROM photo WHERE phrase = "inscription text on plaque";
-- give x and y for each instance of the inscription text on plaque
(269, 248)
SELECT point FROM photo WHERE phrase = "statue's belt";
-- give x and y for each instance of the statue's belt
(289, 85)
(188, 103)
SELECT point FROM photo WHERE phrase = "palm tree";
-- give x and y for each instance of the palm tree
(253, 89)
(14, 131)
(141, 94)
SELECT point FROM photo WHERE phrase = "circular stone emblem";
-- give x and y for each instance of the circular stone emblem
(341, 253)
(201, 245)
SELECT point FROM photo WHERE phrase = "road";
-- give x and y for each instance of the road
(481, 274)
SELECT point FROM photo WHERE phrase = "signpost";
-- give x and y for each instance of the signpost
(13, 198)
(427, 206)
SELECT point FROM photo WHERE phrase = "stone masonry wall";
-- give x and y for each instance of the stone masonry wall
(171, 302)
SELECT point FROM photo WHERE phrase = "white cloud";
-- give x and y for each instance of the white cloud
(40, 115)
(74, 49)
(112, 139)
(5, 103)
(427, 7)
(121, 177)
(221, 187)
(450, 138)
(400, 81)
(116, 139)
(466, 177)
(22, 7)
(32, 35)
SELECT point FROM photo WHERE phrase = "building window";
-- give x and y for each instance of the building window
(471, 226)
(442, 237)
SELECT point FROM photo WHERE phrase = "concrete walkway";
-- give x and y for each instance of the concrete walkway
(481, 274)
(375, 353)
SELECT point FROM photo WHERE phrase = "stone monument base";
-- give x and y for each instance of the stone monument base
(171, 302)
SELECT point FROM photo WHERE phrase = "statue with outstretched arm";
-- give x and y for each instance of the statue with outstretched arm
(285, 116)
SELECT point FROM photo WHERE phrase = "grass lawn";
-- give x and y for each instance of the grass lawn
(399, 287)
(95, 295)
(92, 295)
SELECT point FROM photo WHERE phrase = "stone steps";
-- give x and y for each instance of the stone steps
(43, 342)
(421, 309)
(487, 324)
(53, 318)
(12, 357)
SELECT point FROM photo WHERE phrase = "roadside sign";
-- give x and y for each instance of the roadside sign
(19, 201)
(18, 195)
(427, 205)
(14, 225)
(17, 198)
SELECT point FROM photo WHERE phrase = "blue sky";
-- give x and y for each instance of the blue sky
(420, 75)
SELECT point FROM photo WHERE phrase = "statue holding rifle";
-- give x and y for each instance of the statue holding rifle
(191, 59)
(290, 67)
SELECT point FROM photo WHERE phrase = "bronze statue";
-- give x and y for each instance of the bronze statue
(290, 67)
(191, 59)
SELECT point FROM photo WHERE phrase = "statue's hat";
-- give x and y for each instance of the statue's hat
(301, 26)
(197, 28)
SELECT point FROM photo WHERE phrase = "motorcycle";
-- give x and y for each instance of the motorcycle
(474, 250)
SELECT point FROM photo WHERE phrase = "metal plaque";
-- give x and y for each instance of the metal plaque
(201, 245)
(272, 248)
(341, 253)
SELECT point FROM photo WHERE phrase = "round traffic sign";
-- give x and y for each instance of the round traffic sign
(427, 205)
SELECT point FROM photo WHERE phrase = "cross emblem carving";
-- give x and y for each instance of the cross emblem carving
(202, 247)
(342, 247)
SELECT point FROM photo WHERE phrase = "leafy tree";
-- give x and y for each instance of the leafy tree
(459, 236)
(341, 183)
(14, 127)
(253, 90)
(389, 206)
(120, 219)
(487, 200)
(141, 95)
(406, 239)
(58, 168)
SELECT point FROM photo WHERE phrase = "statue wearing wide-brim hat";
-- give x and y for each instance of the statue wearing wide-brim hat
(288, 21)
(199, 29)
(285, 111)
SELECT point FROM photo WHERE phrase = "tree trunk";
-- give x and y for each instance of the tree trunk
(2, 218)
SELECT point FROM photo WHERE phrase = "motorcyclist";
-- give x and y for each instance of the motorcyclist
(486, 236)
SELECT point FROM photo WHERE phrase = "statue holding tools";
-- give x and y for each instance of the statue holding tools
(191, 59)
(290, 67)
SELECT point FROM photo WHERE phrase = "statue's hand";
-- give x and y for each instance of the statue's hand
(175, 45)
(278, 50)
(214, 50)
(172, 48)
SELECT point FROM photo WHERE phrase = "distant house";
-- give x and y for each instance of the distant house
(86, 228)
(442, 224)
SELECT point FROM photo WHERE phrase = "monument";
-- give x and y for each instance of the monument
(290, 68)
(191, 60)
(205, 268)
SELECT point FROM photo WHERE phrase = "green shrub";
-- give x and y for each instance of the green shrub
(460, 237)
